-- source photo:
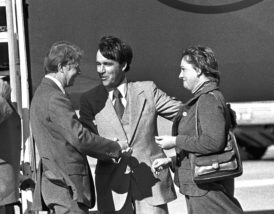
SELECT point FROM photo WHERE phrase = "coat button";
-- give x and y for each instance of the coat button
(184, 113)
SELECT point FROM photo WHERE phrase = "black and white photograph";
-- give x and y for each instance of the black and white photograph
(136, 107)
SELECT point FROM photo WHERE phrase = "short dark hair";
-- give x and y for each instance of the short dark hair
(63, 53)
(203, 58)
(115, 49)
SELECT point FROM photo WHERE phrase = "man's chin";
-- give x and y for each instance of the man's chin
(106, 84)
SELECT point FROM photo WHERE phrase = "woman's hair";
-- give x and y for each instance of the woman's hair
(204, 59)
(113, 48)
(62, 53)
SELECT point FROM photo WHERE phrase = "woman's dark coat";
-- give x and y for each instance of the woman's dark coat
(213, 125)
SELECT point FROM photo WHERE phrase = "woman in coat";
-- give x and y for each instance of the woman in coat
(200, 75)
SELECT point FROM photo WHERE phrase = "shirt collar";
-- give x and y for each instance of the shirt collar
(122, 88)
(57, 82)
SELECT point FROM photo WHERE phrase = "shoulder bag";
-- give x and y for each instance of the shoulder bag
(218, 166)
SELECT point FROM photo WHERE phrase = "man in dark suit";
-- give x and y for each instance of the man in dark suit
(64, 183)
(128, 110)
(10, 146)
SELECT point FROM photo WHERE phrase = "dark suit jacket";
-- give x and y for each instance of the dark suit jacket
(10, 147)
(63, 144)
(145, 102)
(213, 126)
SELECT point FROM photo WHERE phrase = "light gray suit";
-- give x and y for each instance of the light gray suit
(144, 103)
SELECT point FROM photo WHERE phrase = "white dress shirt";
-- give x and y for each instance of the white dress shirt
(123, 90)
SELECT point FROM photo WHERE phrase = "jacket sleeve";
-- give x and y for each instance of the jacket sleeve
(166, 106)
(5, 109)
(62, 114)
(87, 115)
(211, 126)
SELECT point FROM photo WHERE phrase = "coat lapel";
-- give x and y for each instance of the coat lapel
(136, 104)
(109, 125)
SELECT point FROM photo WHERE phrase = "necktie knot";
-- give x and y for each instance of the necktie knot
(117, 94)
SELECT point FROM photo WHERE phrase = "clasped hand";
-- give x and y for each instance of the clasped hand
(159, 164)
(125, 152)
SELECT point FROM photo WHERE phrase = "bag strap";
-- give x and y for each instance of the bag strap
(227, 114)
(216, 96)
(196, 111)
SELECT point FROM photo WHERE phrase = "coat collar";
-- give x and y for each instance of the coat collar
(50, 82)
(204, 89)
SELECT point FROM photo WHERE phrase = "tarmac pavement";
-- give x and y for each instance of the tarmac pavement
(254, 189)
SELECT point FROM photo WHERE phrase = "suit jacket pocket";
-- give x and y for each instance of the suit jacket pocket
(58, 180)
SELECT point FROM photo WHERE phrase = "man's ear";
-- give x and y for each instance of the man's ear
(60, 68)
(198, 71)
(124, 66)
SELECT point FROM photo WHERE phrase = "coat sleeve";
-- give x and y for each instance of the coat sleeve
(211, 126)
(5, 109)
(62, 114)
(166, 106)
(86, 114)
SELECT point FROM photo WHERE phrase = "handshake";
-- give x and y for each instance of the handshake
(126, 151)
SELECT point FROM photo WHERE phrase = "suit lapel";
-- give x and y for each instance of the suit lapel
(136, 105)
(108, 123)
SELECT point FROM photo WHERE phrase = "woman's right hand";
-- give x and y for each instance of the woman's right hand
(159, 164)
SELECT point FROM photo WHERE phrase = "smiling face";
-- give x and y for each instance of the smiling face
(189, 74)
(111, 72)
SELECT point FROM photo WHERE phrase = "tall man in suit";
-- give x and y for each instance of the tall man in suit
(128, 110)
(64, 183)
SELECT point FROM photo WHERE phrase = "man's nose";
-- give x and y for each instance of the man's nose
(181, 75)
(101, 69)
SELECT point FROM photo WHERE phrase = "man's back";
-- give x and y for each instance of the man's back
(61, 161)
